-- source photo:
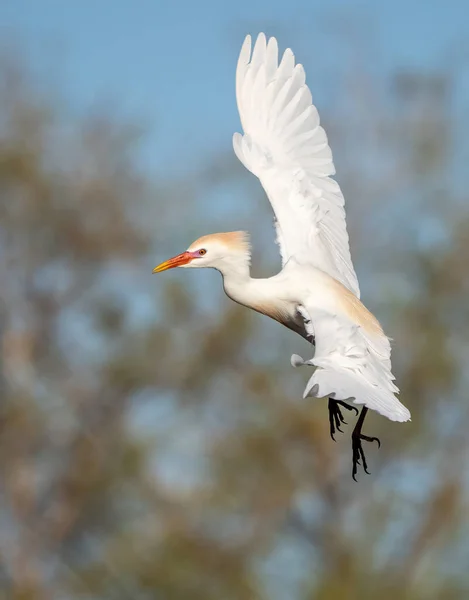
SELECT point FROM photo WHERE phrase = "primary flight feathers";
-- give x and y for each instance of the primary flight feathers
(286, 148)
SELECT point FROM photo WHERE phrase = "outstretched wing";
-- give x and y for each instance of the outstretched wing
(351, 363)
(287, 149)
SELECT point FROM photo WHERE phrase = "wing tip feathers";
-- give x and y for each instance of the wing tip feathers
(245, 52)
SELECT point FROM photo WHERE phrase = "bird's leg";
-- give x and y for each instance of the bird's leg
(336, 418)
(357, 450)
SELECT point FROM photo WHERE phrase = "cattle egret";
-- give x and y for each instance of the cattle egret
(316, 294)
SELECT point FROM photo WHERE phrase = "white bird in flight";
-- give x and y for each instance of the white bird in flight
(316, 294)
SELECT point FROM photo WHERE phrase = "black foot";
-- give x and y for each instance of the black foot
(357, 450)
(336, 418)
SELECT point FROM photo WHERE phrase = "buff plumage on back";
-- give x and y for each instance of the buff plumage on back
(287, 149)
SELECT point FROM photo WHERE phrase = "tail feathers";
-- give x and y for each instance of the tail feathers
(345, 385)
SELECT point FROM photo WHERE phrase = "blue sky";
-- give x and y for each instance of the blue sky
(171, 64)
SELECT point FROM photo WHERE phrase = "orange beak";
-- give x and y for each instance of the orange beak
(176, 261)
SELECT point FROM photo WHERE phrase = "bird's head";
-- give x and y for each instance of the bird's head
(222, 251)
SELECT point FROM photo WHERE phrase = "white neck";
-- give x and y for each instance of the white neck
(267, 296)
(235, 271)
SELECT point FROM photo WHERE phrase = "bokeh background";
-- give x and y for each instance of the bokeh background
(153, 440)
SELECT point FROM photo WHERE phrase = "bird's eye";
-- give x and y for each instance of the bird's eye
(202, 252)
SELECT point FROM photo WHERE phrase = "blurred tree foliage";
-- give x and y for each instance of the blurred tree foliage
(153, 445)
